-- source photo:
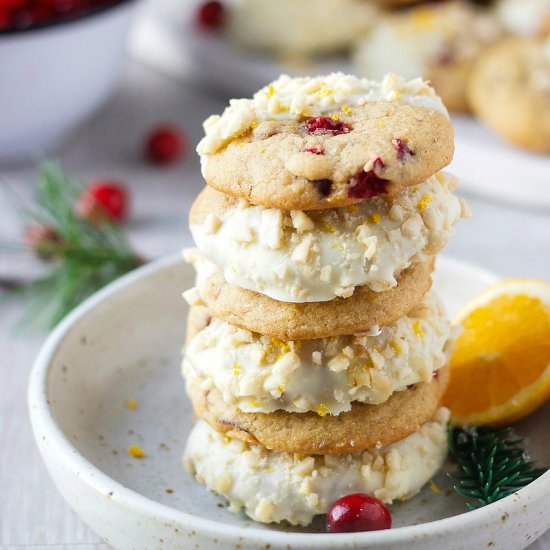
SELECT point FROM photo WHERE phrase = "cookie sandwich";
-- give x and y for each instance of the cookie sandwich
(316, 353)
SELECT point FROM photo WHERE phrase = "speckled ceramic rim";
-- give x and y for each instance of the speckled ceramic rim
(44, 423)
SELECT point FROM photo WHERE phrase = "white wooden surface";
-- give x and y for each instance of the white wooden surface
(32, 514)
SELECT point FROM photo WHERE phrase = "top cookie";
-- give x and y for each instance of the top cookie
(325, 142)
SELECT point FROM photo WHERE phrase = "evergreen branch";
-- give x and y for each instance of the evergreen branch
(490, 465)
(86, 255)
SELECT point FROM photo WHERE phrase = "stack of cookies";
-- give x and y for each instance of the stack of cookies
(316, 352)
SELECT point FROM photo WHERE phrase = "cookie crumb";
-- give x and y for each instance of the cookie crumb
(135, 451)
(435, 488)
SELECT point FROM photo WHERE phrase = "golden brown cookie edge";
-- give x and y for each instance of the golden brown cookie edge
(305, 321)
(364, 427)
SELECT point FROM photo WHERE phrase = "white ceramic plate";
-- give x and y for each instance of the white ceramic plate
(125, 343)
(166, 38)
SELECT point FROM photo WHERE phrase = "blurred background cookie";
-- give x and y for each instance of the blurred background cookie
(524, 17)
(304, 27)
(510, 91)
(438, 41)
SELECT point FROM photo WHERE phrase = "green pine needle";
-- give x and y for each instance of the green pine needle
(490, 464)
(87, 256)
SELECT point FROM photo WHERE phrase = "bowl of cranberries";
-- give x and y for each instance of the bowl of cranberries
(60, 60)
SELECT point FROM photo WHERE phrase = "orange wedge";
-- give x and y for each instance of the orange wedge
(500, 367)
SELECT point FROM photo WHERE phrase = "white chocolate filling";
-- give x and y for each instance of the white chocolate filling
(298, 98)
(261, 374)
(273, 487)
(320, 255)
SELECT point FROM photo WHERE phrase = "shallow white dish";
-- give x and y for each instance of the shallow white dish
(124, 343)
(166, 38)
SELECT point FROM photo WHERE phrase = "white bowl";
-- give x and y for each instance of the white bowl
(53, 78)
(125, 342)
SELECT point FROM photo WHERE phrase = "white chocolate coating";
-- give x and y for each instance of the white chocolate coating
(273, 487)
(261, 374)
(298, 98)
(318, 256)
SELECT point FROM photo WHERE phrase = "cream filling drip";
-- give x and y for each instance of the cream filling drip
(317, 256)
(271, 486)
(261, 374)
(297, 98)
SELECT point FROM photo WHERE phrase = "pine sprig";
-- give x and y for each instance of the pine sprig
(491, 465)
(85, 255)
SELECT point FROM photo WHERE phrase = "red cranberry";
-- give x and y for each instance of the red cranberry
(323, 187)
(315, 150)
(378, 164)
(323, 125)
(103, 200)
(29, 17)
(22, 14)
(357, 512)
(164, 145)
(401, 148)
(13, 4)
(5, 20)
(447, 57)
(211, 15)
(42, 240)
(66, 6)
(366, 185)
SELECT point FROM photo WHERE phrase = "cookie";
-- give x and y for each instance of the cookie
(530, 18)
(261, 374)
(363, 427)
(313, 143)
(290, 28)
(274, 487)
(319, 255)
(509, 90)
(288, 321)
(439, 41)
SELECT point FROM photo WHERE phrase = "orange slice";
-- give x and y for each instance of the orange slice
(500, 367)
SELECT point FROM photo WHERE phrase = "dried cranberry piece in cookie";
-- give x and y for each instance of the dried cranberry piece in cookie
(368, 184)
(315, 150)
(323, 187)
(323, 125)
(378, 163)
(401, 148)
